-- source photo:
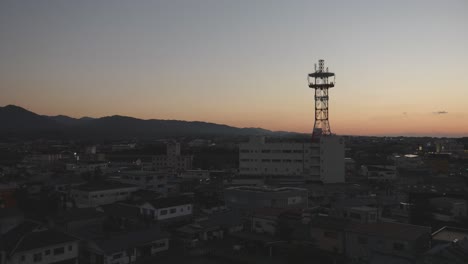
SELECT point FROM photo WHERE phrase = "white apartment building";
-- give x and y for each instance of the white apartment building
(96, 194)
(167, 208)
(322, 161)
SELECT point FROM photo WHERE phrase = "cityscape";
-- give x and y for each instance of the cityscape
(190, 132)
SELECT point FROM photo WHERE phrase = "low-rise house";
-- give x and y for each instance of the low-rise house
(448, 234)
(210, 227)
(328, 233)
(30, 243)
(379, 172)
(265, 220)
(363, 214)
(448, 209)
(125, 247)
(455, 252)
(251, 198)
(398, 240)
(170, 208)
(99, 193)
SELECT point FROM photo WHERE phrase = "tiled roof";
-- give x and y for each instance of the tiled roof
(25, 237)
(170, 201)
(103, 185)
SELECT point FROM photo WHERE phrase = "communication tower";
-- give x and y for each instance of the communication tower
(319, 81)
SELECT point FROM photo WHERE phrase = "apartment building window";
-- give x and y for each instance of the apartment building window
(287, 160)
(23, 258)
(287, 151)
(297, 151)
(276, 160)
(163, 212)
(265, 160)
(47, 252)
(59, 251)
(70, 247)
(266, 151)
(173, 210)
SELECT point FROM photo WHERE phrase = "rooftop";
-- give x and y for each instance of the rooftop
(127, 240)
(29, 235)
(449, 234)
(265, 189)
(170, 201)
(390, 230)
(103, 186)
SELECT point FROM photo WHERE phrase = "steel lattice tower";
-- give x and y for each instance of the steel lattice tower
(318, 80)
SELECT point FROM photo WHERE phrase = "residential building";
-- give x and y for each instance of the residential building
(31, 243)
(125, 248)
(99, 193)
(323, 161)
(379, 173)
(170, 208)
(363, 241)
(249, 197)
(146, 180)
(448, 209)
(210, 227)
(328, 233)
(363, 214)
(173, 160)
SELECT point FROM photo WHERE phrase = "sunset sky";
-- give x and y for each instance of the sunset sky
(401, 66)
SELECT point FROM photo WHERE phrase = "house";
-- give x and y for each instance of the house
(362, 241)
(170, 208)
(210, 227)
(146, 180)
(265, 220)
(9, 219)
(363, 214)
(448, 209)
(31, 243)
(99, 193)
(379, 172)
(251, 198)
(126, 247)
(449, 234)
(328, 233)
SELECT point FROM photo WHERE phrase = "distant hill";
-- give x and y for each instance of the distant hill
(17, 121)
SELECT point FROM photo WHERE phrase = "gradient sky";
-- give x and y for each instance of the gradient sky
(243, 63)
